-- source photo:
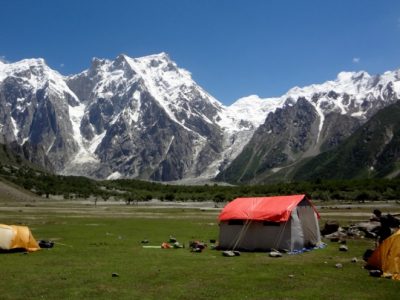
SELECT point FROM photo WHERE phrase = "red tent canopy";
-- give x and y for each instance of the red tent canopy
(274, 209)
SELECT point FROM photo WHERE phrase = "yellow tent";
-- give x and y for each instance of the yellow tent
(15, 237)
(387, 256)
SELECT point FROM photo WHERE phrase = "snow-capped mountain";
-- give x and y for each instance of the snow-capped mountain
(310, 120)
(129, 117)
(146, 118)
(34, 109)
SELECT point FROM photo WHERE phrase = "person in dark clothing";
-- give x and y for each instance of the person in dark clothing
(384, 230)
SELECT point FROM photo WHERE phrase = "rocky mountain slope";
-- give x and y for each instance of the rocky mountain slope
(129, 117)
(311, 120)
(372, 151)
(34, 111)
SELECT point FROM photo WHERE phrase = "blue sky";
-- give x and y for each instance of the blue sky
(233, 48)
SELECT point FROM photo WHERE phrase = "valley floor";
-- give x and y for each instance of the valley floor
(93, 242)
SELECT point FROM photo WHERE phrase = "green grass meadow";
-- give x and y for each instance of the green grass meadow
(94, 242)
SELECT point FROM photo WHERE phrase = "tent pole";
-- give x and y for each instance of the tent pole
(241, 233)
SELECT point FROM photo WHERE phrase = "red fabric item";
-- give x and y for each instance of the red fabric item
(165, 245)
(273, 209)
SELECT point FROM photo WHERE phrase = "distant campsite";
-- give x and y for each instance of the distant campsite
(184, 249)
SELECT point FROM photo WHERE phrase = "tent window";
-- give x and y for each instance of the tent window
(269, 223)
(235, 222)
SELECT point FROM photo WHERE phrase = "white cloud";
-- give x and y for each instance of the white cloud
(356, 60)
(62, 65)
(3, 59)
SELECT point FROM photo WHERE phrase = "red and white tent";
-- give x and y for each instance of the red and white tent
(264, 223)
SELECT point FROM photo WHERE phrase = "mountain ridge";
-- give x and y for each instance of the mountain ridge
(121, 98)
(312, 120)
(147, 118)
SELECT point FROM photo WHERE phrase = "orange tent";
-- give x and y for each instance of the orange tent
(387, 256)
(17, 237)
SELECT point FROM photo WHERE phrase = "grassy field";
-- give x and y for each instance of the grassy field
(94, 242)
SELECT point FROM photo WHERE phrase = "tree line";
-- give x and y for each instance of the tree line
(131, 190)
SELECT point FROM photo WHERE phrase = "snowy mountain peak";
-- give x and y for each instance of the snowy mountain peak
(356, 84)
(352, 76)
(121, 60)
(36, 75)
(30, 62)
(149, 93)
(350, 93)
(158, 56)
(23, 67)
(171, 86)
(97, 63)
(158, 63)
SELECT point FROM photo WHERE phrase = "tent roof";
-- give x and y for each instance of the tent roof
(274, 209)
